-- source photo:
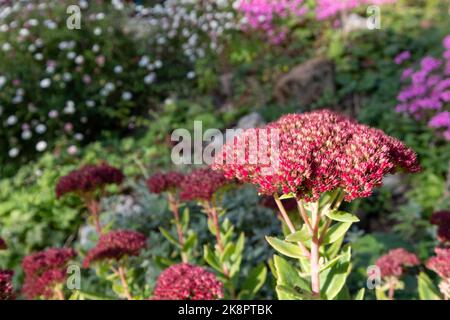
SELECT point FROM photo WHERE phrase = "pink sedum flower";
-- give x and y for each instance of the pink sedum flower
(88, 179)
(115, 245)
(162, 182)
(43, 270)
(392, 263)
(3, 245)
(442, 220)
(187, 282)
(6, 287)
(201, 184)
(317, 152)
(440, 263)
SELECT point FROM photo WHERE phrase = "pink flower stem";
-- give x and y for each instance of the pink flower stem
(93, 206)
(391, 290)
(304, 215)
(174, 207)
(121, 272)
(314, 258)
(59, 293)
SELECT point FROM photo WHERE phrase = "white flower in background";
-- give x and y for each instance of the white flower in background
(144, 61)
(33, 22)
(90, 103)
(2, 81)
(95, 48)
(118, 5)
(78, 136)
(41, 146)
(71, 55)
(39, 56)
(158, 64)
(97, 31)
(100, 16)
(79, 59)
(53, 114)
(62, 45)
(150, 78)
(24, 32)
(4, 28)
(6, 46)
(45, 83)
(72, 150)
(83, 4)
(17, 100)
(69, 107)
(191, 75)
(39, 43)
(110, 86)
(14, 152)
(26, 135)
(40, 128)
(127, 95)
(11, 120)
(32, 48)
(67, 76)
(50, 24)
(118, 69)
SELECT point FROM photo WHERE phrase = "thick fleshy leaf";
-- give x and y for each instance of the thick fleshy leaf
(341, 216)
(287, 276)
(336, 232)
(332, 280)
(301, 235)
(211, 259)
(284, 247)
(255, 280)
(427, 289)
(360, 294)
(287, 196)
(169, 237)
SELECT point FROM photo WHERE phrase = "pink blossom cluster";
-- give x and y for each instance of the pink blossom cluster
(115, 245)
(88, 179)
(201, 184)
(426, 94)
(187, 282)
(440, 263)
(317, 152)
(326, 9)
(43, 270)
(442, 220)
(162, 182)
(6, 287)
(262, 15)
(392, 263)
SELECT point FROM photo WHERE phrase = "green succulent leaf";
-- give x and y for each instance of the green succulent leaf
(301, 235)
(168, 236)
(341, 216)
(333, 279)
(284, 247)
(360, 294)
(255, 280)
(211, 259)
(336, 231)
(288, 277)
(427, 289)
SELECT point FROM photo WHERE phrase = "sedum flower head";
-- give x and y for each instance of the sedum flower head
(392, 263)
(316, 152)
(43, 270)
(6, 287)
(201, 184)
(115, 245)
(88, 179)
(442, 220)
(187, 282)
(440, 263)
(162, 182)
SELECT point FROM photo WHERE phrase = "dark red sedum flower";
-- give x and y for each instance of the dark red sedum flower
(440, 263)
(442, 220)
(115, 245)
(6, 287)
(187, 282)
(162, 182)
(392, 263)
(3, 245)
(201, 184)
(313, 153)
(43, 270)
(88, 179)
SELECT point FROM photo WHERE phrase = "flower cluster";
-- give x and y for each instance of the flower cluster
(442, 220)
(316, 152)
(392, 263)
(89, 178)
(162, 182)
(326, 9)
(201, 184)
(3, 245)
(190, 26)
(115, 245)
(43, 270)
(440, 263)
(262, 15)
(187, 282)
(426, 94)
(72, 80)
(6, 287)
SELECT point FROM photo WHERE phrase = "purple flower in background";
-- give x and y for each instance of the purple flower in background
(440, 120)
(402, 57)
